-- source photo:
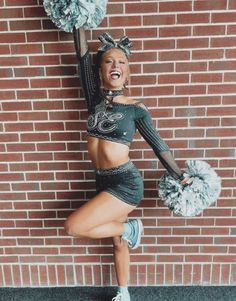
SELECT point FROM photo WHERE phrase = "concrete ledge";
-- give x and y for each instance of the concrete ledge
(173, 293)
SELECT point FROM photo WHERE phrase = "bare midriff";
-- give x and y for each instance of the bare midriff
(107, 154)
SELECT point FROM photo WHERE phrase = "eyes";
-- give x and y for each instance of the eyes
(110, 61)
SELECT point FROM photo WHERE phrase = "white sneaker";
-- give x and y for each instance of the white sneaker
(121, 297)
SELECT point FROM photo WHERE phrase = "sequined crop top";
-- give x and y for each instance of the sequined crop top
(119, 122)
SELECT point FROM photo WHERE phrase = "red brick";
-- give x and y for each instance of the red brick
(52, 275)
(14, 127)
(174, 6)
(6, 72)
(186, 90)
(12, 38)
(174, 55)
(210, 5)
(9, 13)
(113, 8)
(19, 2)
(187, 274)
(223, 88)
(44, 60)
(226, 42)
(175, 78)
(158, 20)
(232, 4)
(59, 48)
(193, 18)
(160, 90)
(197, 273)
(206, 77)
(31, 94)
(225, 274)
(14, 84)
(125, 21)
(139, 8)
(205, 122)
(231, 29)
(159, 44)
(45, 83)
(3, 26)
(4, 49)
(175, 31)
(223, 17)
(191, 66)
(26, 48)
(142, 33)
(228, 121)
(25, 24)
(229, 99)
(28, 72)
(193, 43)
(9, 137)
(209, 30)
(41, 36)
(207, 54)
(177, 101)
(16, 106)
(158, 67)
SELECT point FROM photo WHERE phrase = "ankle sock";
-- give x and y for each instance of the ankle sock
(123, 289)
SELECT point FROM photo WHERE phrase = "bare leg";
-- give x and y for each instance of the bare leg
(121, 259)
(99, 217)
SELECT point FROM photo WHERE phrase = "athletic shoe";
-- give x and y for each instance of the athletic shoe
(136, 231)
(121, 297)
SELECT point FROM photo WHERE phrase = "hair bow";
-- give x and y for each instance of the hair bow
(108, 42)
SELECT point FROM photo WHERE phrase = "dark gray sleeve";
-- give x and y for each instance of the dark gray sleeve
(89, 80)
(146, 128)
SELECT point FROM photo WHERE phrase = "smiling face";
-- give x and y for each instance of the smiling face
(114, 70)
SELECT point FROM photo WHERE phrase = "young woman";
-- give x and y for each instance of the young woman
(112, 123)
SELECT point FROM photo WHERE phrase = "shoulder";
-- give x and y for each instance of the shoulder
(137, 103)
(141, 110)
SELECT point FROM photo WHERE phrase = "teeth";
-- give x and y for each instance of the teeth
(115, 74)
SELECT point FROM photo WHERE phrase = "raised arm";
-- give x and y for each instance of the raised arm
(88, 75)
(80, 40)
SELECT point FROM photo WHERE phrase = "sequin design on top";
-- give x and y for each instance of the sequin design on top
(103, 121)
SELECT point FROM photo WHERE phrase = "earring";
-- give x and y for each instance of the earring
(126, 84)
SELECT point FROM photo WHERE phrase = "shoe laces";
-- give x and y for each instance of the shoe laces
(118, 297)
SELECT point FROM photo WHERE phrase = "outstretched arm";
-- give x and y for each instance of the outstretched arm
(147, 130)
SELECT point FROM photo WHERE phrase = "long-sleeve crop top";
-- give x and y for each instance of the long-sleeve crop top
(119, 122)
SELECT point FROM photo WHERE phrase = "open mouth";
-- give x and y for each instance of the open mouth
(115, 74)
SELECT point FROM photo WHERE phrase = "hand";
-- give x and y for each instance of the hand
(186, 181)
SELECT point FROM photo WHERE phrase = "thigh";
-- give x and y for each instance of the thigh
(100, 210)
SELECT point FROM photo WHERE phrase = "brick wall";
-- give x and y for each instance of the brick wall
(184, 66)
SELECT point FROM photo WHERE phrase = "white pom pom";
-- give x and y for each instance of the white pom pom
(192, 199)
(67, 14)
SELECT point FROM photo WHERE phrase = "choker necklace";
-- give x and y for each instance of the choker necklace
(108, 96)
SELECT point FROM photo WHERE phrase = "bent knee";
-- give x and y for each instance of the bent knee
(72, 228)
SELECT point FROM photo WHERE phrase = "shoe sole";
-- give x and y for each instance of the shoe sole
(140, 227)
